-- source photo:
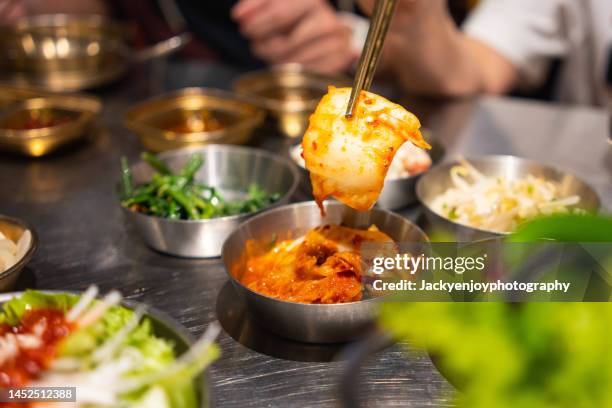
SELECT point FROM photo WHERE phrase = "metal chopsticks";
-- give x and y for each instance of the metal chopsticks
(383, 11)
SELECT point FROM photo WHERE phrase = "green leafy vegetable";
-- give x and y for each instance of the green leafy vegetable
(13, 309)
(528, 355)
(566, 228)
(503, 355)
(180, 196)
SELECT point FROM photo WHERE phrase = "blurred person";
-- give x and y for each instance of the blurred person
(247, 33)
(253, 34)
(503, 45)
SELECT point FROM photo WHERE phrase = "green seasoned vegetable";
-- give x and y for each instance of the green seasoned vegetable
(154, 162)
(180, 196)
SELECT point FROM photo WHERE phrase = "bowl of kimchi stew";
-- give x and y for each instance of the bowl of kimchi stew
(302, 274)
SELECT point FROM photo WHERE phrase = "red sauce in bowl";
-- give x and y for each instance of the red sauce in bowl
(51, 327)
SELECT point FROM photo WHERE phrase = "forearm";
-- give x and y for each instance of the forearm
(433, 57)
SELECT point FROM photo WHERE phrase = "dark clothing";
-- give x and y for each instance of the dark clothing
(151, 27)
(210, 22)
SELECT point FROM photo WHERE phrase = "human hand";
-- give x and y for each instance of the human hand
(414, 28)
(428, 54)
(307, 32)
(413, 18)
(409, 9)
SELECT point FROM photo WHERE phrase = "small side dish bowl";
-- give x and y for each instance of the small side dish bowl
(38, 126)
(438, 180)
(231, 170)
(193, 117)
(313, 323)
(288, 92)
(14, 94)
(63, 52)
(397, 193)
(163, 326)
(13, 229)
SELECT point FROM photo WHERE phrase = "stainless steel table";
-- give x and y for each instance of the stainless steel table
(70, 199)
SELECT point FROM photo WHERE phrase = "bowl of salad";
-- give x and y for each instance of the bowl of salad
(186, 202)
(109, 351)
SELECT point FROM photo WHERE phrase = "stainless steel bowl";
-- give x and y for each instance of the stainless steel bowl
(63, 52)
(437, 181)
(151, 119)
(314, 323)
(164, 327)
(230, 169)
(13, 228)
(396, 193)
(81, 111)
(288, 92)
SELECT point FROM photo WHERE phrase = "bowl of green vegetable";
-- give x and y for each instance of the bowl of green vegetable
(186, 202)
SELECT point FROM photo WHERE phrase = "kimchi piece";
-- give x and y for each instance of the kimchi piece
(324, 266)
(348, 158)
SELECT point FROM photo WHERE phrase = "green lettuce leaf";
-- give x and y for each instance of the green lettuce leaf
(12, 310)
(527, 355)
(83, 342)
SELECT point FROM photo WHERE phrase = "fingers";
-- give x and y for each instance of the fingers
(329, 54)
(245, 8)
(366, 6)
(302, 31)
(260, 19)
(283, 47)
(325, 57)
